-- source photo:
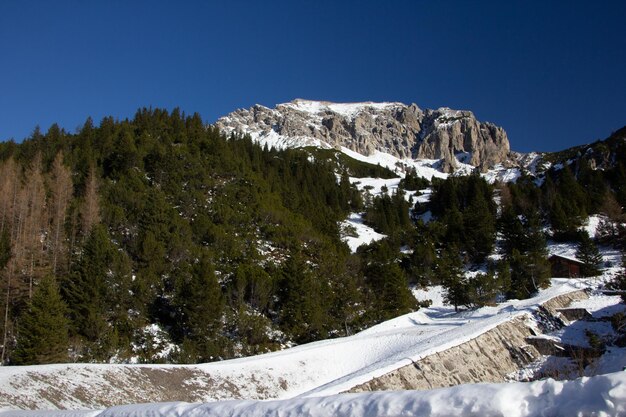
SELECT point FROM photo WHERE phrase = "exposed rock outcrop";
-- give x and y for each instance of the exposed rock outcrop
(488, 358)
(451, 134)
(404, 131)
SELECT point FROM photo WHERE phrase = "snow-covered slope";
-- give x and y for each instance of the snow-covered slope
(321, 368)
(603, 395)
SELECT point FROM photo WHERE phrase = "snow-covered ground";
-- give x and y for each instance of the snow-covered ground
(356, 233)
(603, 395)
(317, 369)
(434, 293)
(426, 168)
(601, 307)
(375, 187)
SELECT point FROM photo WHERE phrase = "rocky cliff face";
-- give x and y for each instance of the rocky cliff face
(404, 131)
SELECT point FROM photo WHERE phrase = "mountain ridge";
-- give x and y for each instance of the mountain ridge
(401, 130)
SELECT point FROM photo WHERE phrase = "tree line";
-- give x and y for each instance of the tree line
(159, 239)
(484, 242)
(156, 231)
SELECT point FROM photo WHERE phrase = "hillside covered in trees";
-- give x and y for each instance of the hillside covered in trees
(159, 239)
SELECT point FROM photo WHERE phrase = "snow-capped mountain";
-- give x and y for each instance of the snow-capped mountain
(453, 137)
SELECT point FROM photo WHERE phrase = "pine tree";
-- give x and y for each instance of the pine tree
(503, 272)
(252, 285)
(453, 220)
(589, 255)
(479, 229)
(529, 271)
(520, 288)
(421, 262)
(619, 282)
(570, 204)
(558, 218)
(450, 270)
(97, 291)
(301, 294)
(512, 230)
(87, 288)
(593, 183)
(43, 327)
(393, 297)
(483, 289)
(386, 281)
(526, 254)
(199, 303)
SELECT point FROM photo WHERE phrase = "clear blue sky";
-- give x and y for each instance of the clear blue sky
(552, 73)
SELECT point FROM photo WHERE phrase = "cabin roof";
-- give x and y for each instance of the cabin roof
(565, 257)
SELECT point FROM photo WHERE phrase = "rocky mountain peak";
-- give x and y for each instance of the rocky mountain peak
(404, 131)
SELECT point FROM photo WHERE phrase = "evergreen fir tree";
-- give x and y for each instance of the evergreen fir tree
(558, 219)
(619, 282)
(589, 255)
(99, 296)
(200, 303)
(479, 229)
(512, 230)
(393, 297)
(570, 204)
(43, 327)
(386, 281)
(483, 289)
(87, 289)
(503, 272)
(450, 269)
(529, 272)
(453, 220)
(301, 296)
(421, 262)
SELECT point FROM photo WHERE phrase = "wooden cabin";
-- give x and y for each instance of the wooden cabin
(564, 266)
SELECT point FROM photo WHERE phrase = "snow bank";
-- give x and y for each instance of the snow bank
(603, 395)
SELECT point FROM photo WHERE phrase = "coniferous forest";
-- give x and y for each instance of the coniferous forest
(158, 239)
